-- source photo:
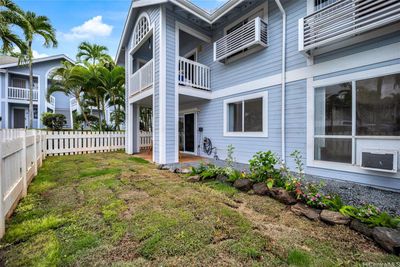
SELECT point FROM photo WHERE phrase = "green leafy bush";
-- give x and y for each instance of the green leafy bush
(371, 215)
(235, 175)
(53, 121)
(262, 167)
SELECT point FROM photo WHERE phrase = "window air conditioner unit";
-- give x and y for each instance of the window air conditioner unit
(379, 160)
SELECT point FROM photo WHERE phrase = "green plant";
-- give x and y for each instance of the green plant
(262, 167)
(197, 170)
(235, 175)
(298, 159)
(334, 203)
(312, 196)
(371, 215)
(229, 157)
(53, 121)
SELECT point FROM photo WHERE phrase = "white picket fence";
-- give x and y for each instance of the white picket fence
(146, 140)
(23, 151)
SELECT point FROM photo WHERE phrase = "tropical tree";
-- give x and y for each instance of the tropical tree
(36, 26)
(112, 81)
(10, 14)
(93, 53)
(63, 80)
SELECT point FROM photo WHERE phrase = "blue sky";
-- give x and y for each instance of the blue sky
(99, 21)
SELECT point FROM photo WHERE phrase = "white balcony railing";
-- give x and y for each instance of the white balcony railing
(345, 18)
(52, 101)
(253, 33)
(141, 79)
(21, 93)
(194, 74)
(73, 104)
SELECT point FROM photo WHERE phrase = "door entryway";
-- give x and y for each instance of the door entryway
(187, 134)
(19, 118)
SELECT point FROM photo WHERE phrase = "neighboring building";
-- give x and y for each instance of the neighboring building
(333, 93)
(14, 92)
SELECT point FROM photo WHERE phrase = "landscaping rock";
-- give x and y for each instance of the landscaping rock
(260, 189)
(362, 228)
(283, 196)
(243, 184)
(387, 238)
(303, 210)
(182, 171)
(334, 217)
(163, 167)
(222, 178)
(193, 179)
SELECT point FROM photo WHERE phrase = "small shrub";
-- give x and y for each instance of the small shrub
(53, 121)
(262, 167)
(371, 215)
(313, 196)
(211, 172)
(229, 158)
(334, 203)
(235, 175)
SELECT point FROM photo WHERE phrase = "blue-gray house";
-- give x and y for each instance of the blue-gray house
(318, 76)
(14, 92)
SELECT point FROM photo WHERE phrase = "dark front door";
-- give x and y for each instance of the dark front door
(189, 132)
(19, 118)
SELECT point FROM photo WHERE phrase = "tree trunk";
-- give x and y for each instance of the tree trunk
(78, 100)
(98, 109)
(30, 85)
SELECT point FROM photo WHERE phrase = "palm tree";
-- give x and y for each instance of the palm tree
(10, 14)
(62, 80)
(36, 26)
(112, 81)
(92, 52)
(88, 75)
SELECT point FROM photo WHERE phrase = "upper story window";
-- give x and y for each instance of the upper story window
(246, 35)
(142, 28)
(319, 4)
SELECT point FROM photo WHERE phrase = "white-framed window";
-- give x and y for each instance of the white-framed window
(142, 28)
(18, 82)
(355, 114)
(246, 115)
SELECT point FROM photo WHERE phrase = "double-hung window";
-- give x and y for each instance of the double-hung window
(246, 116)
(354, 113)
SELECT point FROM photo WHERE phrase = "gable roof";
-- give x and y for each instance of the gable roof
(36, 60)
(7, 59)
(208, 17)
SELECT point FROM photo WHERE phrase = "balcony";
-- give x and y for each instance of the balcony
(344, 19)
(73, 104)
(52, 102)
(22, 93)
(142, 79)
(193, 74)
(251, 35)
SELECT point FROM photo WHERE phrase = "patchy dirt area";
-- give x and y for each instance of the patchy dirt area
(115, 209)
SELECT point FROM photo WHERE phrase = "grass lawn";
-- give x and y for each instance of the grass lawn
(112, 208)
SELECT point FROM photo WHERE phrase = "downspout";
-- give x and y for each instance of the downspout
(283, 79)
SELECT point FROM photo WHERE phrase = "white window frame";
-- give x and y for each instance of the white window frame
(263, 7)
(339, 166)
(264, 132)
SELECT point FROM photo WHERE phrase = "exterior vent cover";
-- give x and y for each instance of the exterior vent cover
(378, 160)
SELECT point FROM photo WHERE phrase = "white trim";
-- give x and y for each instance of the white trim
(38, 60)
(361, 59)
(192, 52)
(372, 73)
(193, 32)
(264, 133)
(162, 87)
(25, 117)
(189, 91)
(141, 95)
(178, 27)
(195, 114)
(347, 167)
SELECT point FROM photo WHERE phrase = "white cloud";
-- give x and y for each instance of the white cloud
(36, 54)
(94, 27)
